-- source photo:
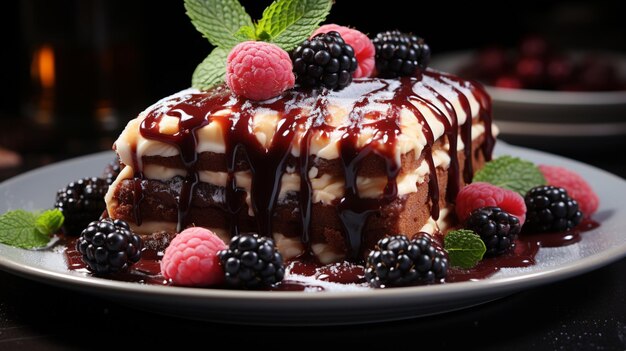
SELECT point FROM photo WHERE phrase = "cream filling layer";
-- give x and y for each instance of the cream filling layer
(326, 188)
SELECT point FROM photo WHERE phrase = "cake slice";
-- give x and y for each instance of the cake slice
(324, 172)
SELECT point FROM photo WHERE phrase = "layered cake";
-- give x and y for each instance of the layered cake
(321, 171)
(310, 158)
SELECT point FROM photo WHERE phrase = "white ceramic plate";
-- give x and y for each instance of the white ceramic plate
(36, 190)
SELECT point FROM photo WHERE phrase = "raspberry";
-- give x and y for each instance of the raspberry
(191, 259)
(324, 61)
(363, 47)
(258, 70)
(479, 194)
(109, 246)
(398, 261)
(577, 188)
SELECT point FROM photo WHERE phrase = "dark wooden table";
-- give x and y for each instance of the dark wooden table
(587, 312)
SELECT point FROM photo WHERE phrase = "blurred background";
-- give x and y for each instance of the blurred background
(73, 72)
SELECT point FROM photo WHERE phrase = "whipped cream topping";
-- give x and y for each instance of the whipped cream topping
(132, 145)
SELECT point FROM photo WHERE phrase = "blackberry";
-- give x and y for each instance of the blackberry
(497, 228)
(252, 262)
(550, 208)
(111, 171)
(400, 54)
(324, 61)
(109, 246)
(81, 202)
(396, 261)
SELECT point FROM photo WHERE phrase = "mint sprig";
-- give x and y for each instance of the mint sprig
(29, 230)
(287, 23)
(49, 222)
(225, 23)
(211, 71)
(465, 248)
(511, 173)
(218, 20)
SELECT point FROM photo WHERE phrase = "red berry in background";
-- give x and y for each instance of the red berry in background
(508, 82)
(535, 65)
(597, 75)
(492, 61)
(576, 186)
(559, 70)
(530, 71)
(571, 87)
(533, 46)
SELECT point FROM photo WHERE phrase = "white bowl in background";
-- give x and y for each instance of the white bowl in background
(562, 118)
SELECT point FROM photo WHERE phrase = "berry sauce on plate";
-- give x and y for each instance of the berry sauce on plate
(317, 276)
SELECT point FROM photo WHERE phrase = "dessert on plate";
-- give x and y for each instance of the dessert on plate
(308, 155)
(327, 171)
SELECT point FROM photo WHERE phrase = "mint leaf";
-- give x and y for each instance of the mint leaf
(246, 33)
(511, 173)
(218, 20)
(49, 222)
(287, 23)
(211, 71)
(17, 228)
(464, 248)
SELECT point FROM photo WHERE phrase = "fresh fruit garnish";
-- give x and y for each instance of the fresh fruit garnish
(324, 60)
(497, 229)
(109, 246)
(533, 46)
(258, 70)
(29, 230)
(465, 249)
(510, 173)
(252, 262)
(191, 258)
(576, 186)
(81, 202)
(225, 23)
(363, 47)
(508, 82)
(530, 71)
(479, 194)
(491, 61)
(551, 209)
(398, 261)
(400, 54)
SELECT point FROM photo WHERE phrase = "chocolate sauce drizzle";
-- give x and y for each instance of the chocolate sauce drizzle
(268, 163)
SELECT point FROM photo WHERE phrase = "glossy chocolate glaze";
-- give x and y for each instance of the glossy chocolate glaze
(267, 163)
